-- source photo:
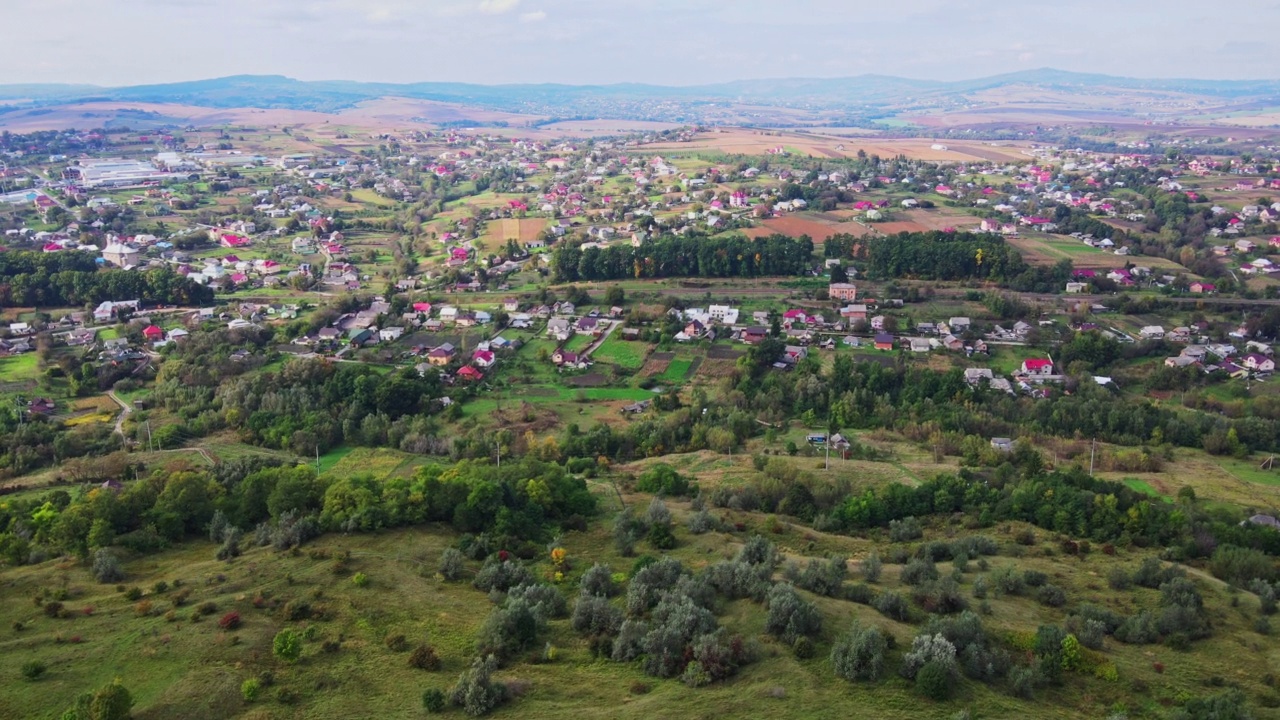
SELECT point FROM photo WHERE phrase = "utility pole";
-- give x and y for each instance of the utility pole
(148, 436)
(1092, 450)
(827, 463)
(317, 459)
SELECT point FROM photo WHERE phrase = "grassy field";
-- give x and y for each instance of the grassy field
(1145, 488)
(676, 371)
(182, 666)
(623, 353)
(16, 368)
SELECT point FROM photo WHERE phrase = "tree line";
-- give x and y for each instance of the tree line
(32, 279)
(685, 256)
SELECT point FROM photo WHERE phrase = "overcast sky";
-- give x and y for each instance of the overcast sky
(677, 42)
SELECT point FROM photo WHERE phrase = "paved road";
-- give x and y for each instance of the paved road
(125, 409)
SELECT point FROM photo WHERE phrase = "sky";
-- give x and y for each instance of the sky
(669, 42)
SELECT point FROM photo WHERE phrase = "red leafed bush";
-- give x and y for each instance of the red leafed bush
(230, 621)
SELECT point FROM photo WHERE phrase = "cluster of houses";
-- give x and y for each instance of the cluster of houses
(1254, 359)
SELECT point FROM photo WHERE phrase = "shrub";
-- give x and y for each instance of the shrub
(905, 530)
(598, 580)
(980, 587)
(53, 609)
(502, 575)
(109, 702)
(661, 537)
(871, 567)
(452, 566)
(824, 577)
(662, 479)
(736, 579)
(160, 587)
(648, 585)
(360, 580)
(287, 646)
(790, 616)
(1140, 629)
(230, 548)
(934, 680)
(1152, 573)
(758, 551)
(396, 642)
(859, 654)
(508, 630)
(230, 621)
(1239, 565)
(433, 700)
(919, 571)
(208, 607)
(142, 608)
(657, 513)
(424, 657)
(250, 689)
(544, 601)
(1118, 579)
(1034, 578)
(701, 522)
(925, 649)
(594, 615)
(133, 594)
(893, 605)
(106, 567)
(1051, 595)
(1022, 682)
(33, 669)
(475, 691)
(1007, 581)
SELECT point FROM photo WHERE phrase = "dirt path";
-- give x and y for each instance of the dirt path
(586, 353)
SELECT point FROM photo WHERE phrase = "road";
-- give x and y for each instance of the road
(596, 345)
(125, 409)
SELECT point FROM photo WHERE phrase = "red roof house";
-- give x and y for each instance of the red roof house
(153, 333)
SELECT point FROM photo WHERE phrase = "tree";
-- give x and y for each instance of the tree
(838, 274)
(475, 691)
(859, 654)
(106, 568)
(615, 295)
(287, 646)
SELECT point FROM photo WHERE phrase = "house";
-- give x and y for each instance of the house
(1037, 366)
(107, 309)
(754, 335)
(844, 292)
(854, 312)
(1263, 520)
(636, 408)
(884, 341)
(41, 405)
(470, 374)
(1180, 361)
(558, 328)
(920, 345)
(563, 357)
(1077, 287)
(958, 324)
(723, 314)
(121, 255)
(390, 334)
(1201, 288)
(230, 240)
(510, 305)
(1152, 332)
(423, 308)
(694, 329)
(973, 376)
(1259, 363)
(442, 355)
(483, 358)
(1002, 444)
(794, 353)
(588, 326)
(152, 333)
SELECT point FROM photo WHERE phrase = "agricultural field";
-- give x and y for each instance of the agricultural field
(627, 354)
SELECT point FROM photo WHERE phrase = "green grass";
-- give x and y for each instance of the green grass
(17, 368)
(330, 459)
(1145, 488)
(578, 343)
(194, 669)
(676, 371)
(623, 353)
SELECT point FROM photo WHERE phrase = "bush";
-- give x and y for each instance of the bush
(287, 646)
(396, 642)
(502, 575)
(919, 571)
(790, 616)
(546, 602)
(824, 577)
(106, 567)
(360, 580)
(661, 537)
(1152, 573)
(1051, 595)
(934, 680)
(33, 669)
(475, 691)
(859, 654)
(892, 605)
(1238, 565)
(758, 551)
(648, 585)
(701, 522)
(433, 700)
(980, 587)
(928, 648)
(1007, 581)
(509, 630)
(1118, 579)
(905, 530)
(736, 579)
(1140, 629)
(594, 615)
(662, 479)
(657, 513)
(250, 689)
(424, 657)
(230, 621)
(109, 702)
(452, 566)
(598, 580)
(1034, 578)
(871, 567)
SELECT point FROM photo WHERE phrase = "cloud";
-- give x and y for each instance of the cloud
(497, 7)
(533, 17)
